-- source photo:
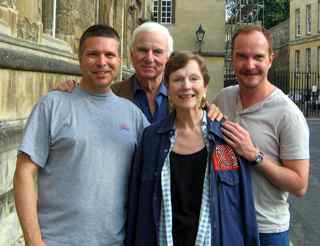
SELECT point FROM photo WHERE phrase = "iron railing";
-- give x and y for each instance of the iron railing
(302, 88)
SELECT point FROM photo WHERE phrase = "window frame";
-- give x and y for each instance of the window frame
(297, 61)
(308, 19)
(163, 11)
(308, 60)
(297, 22)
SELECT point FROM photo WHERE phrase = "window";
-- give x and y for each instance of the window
(297, 24)
(297, 61)
(162, 11)
(308, 60)
(308, 19)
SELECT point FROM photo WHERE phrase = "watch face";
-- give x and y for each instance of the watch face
(259, 157)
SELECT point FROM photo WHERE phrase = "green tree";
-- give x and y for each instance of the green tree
(274, 12)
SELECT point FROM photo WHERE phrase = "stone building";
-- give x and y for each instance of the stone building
(280, 43)
(304, 45)
(183, 19)
(38, 48)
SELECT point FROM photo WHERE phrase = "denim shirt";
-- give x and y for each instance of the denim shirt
(140, 99)
(232, 214)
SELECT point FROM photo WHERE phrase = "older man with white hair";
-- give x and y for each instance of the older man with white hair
(151, 47)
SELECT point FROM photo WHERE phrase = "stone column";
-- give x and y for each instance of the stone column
(106, 12)
(118, 24)
(47, 16)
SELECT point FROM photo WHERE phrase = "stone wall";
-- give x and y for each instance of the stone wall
(10, 135)
(38, 48)
(280, 43)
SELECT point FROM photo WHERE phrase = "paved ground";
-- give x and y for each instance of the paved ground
(305, 212)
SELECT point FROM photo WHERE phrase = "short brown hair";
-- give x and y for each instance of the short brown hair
(180, 59)
(250, 29)
(98, 30)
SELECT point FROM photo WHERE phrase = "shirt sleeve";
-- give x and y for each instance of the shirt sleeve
(36, 139)
(294, 137)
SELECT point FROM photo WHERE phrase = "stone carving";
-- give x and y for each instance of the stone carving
(28, 30)
(87, 14)
(67, 15)
(8, 3)
(134, 11)
(74, 16)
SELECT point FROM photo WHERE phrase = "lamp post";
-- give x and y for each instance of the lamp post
(200, 36)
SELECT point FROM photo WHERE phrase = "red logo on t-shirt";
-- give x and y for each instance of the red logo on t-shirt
(224, 158)
(124, 126)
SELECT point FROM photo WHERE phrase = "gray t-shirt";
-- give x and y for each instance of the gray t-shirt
(279, 129)
(84, 145)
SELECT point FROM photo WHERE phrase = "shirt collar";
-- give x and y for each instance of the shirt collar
(136, 87)
(214, 127)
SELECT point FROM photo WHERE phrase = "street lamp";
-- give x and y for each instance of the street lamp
(200, 36)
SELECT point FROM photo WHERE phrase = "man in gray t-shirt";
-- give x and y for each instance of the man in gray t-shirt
(269, 130)
(80, 146)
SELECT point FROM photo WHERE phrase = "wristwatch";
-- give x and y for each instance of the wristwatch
(258, 159)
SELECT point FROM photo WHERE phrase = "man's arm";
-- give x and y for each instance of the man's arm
(292, 176)
(25, 195)
(66, 86)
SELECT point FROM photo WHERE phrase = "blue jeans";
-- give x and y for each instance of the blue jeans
(274, 239)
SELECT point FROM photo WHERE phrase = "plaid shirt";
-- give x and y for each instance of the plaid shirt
(204, 229)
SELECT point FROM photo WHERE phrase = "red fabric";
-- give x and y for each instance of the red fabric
(224, 158)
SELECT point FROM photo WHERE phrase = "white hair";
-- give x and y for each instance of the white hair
(153, 27)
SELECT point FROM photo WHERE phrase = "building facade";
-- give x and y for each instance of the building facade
(38, 48)
(183, 18)
(280, 44)
(304, 45)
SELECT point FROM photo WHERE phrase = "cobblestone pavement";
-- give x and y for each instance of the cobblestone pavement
(305, 219)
